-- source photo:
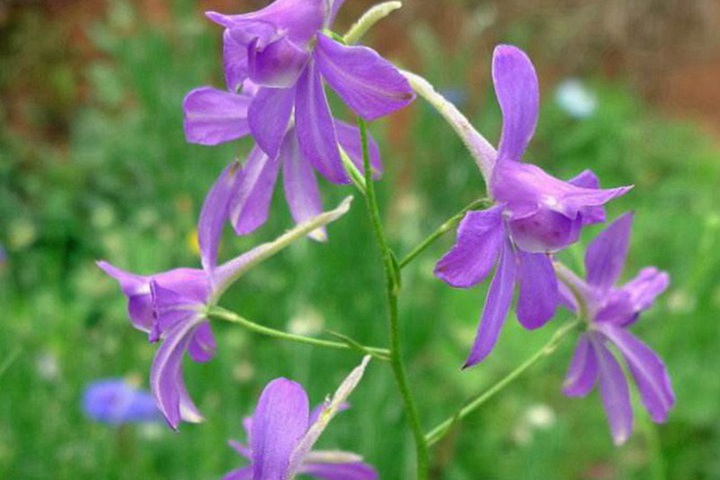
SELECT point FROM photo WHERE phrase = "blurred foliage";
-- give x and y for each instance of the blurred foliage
(128, 188)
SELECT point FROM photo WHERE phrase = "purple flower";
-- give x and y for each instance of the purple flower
(276, 61)
(116, 402)
(283, 430)
(610, 310)
(172, 306)
(534, 215)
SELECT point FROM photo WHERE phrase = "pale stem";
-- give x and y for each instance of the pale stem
(481, 150)
(228, 273)
(369, 19)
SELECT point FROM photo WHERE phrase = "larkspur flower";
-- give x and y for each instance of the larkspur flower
(172, 306)
(116, 402)
(283, 431)
(610, 310)
(534, 215)
(276, 61)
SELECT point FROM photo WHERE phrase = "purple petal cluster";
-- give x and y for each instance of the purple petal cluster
(283, 431)
(534, 216)
(171, 307)
(611, 311)
(117, 402)
(276, 61)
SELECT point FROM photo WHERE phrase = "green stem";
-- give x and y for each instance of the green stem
(221, 313)
(443, 428)
(392, 280)
(442, 230)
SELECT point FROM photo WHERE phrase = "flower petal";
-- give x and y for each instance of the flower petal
(301, 188)
(202, 345)
(213, 215)
(300, 19)
(250, 203)
(522, 184)
(496, 307)
(268, 117)
(615, 394)
(244, 473)
(235, 60)
(315, 127)
(572, 286)
(279, 422)
(166, 379)
(213, 116)
(331, 409)
(370, 85)
(480, 240)
(648, 370)
(516, 87)
(646, 287)
(349, 139)
(137, 290)
(616, 308)
(544, 231)
(606, 254)
(538, 289)
(583, 371)
(234, 269)
(340, 471)
(588, 179)
(277, 64)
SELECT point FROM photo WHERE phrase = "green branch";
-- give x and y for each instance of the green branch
(442, 230)
(347, 344)
(443, 428)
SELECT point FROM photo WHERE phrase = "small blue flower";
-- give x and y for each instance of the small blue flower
(575, 99)
(116, 402)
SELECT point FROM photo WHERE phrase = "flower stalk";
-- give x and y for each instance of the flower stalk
(481, 150)
(369, 19)
(347, 344)
(392, 278)
(442, 429)
(448, 225)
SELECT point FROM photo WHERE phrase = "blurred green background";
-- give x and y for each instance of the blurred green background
(94, 165)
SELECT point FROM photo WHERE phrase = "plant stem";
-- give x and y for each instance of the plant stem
(221, 313)
(484, 153)
(442, 230)
(392, 281)
(369, 18)
(443, 428)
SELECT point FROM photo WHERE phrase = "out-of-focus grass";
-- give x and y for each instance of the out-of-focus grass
(129, 191)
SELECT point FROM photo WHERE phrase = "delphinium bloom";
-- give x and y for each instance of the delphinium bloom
(172, 306)
(117, 402)
(534, 215)
(610, 311)
(276, 61)
(283, 430)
